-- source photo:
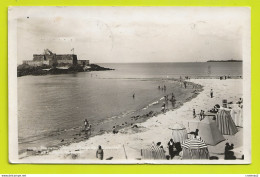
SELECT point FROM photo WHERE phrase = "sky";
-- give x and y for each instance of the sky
(133, 34)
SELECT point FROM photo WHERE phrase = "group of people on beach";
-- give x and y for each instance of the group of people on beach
(166, 101)
(162, 88)
(201, 114)
(225, 77)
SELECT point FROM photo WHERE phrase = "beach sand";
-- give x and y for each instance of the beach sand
(129, 141)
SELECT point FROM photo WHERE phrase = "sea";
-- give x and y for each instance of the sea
(56, 103)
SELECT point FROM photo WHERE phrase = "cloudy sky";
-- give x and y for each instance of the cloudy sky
(132, 34)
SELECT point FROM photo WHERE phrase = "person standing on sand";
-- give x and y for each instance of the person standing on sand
(194, 114)
(163, 108)
(171, 148)
(86, 124)
(100, 153)
(211, 93)
(201, 115)
(134, 96)
(185, 84)
(166, 101)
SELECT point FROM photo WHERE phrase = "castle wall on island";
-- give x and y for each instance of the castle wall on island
(36, 63)
(50, 59)
(83, 62)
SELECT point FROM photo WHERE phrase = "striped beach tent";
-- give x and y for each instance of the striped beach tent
(153, 152)
(194, 149)
(179, 133)
(225, 123)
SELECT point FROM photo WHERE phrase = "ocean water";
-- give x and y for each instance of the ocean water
(55, 103)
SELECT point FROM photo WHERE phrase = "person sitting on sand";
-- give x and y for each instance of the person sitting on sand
(100, 153)
(228, 154)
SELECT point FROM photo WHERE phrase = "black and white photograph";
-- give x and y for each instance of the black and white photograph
(129, 85)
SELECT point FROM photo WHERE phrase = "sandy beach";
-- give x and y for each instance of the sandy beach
(128, 143)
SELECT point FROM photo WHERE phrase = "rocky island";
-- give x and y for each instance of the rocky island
(51, 63)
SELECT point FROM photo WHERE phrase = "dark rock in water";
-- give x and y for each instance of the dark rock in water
(95, 67)
(62, 140)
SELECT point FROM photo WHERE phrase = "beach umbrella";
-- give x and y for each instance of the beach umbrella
(208, 131)
(194, 149)
(179, 133)
(225, 123)
(153, 152)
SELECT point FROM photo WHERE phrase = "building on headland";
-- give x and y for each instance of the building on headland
(51, 59)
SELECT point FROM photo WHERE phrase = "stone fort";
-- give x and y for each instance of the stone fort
(51, 59)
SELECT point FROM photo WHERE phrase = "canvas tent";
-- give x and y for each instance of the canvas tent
(194, 149)
(179, 133)
(208, 131)
(153, 152)
(225, 123)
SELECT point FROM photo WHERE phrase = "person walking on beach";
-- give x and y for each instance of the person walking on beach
(164, 88)
(86, 124)
(134, 96)
(173, 97)
(194, 114)
(211, 93)
(100, 153)
(185, 84)
(166, 101)
(201, 115)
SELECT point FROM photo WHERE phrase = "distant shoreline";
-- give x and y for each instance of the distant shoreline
(225, 61)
